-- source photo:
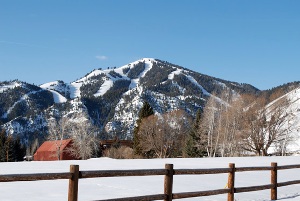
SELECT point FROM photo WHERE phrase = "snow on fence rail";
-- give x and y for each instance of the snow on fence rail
(74, 175)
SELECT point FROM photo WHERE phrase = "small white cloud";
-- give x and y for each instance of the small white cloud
(101, 57)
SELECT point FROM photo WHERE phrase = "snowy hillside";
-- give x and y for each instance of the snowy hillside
(108, 78)
(118, 187)
(164, 85)
(59, 90)
(11, 85)
(112, 97)
(292, 123)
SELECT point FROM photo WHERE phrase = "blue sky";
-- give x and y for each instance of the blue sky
(249, 41)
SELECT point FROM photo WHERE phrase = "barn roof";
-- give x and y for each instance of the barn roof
(52, 145)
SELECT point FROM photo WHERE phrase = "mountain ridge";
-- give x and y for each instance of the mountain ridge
(111, 97)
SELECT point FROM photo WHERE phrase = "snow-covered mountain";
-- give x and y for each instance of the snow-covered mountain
(111, 97)
(291, 125)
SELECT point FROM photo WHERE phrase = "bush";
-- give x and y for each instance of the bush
(122, 152)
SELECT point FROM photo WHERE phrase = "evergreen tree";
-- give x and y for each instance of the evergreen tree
(2, 148)
(11, 148)
(19, 149)
(145, 111)
(193, 148)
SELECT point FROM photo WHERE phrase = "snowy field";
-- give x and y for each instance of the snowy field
(105, 188)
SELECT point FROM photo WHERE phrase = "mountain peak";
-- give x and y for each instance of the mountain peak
(112, 97)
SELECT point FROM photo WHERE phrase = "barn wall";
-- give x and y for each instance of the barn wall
(45, 156)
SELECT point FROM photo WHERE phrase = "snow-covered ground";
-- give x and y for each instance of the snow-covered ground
(105, 188)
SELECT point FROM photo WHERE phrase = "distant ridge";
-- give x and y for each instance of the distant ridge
(111, 97)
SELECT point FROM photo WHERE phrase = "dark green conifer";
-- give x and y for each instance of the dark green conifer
(19, 149)
(2, 148)
(11, 149)
(193, 145)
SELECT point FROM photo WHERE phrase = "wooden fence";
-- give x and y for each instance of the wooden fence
(74, 175)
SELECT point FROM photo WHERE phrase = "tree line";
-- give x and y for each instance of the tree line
(228, 125)
(78, 128)
(11, 148)
(232, 125)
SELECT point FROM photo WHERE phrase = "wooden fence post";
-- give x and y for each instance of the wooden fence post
(168, 185)
(274, 181)
(73, 183)
(230, 184)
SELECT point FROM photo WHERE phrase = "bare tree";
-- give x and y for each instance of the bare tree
(233, 123)
(278, 125)
(263, 125)
(223, 126)
(83, 134)
(151, 139)
(247, 122)
(164, 136)
(176, 126)
(215, 124)
(58, 131)
(207, 127)
(228, 124)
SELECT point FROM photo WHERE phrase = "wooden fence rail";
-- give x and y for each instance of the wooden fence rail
(74, 175)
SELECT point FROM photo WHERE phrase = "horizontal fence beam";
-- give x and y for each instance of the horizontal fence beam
(121, 173)
(201, 171)
(200, 193)
(288, 183)
(285, 167)
(253, 188)
(35, 177)
(249, 169)
(139, 198)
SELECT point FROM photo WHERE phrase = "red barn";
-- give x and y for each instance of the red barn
(48, 151)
